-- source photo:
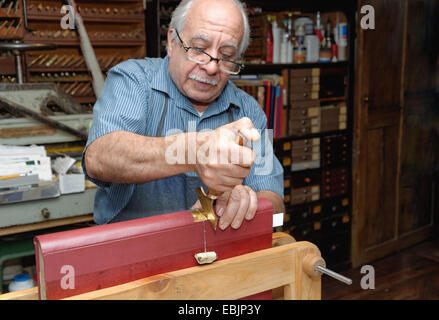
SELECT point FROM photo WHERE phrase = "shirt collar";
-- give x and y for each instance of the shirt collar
(163, 82)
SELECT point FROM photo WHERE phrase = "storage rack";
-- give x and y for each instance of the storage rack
(116, 30)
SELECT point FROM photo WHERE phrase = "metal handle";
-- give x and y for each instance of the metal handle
(334, 275)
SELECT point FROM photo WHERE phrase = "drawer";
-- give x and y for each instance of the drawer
(308, 232)
(305, 213)
(299, 166)
(334, 187)
(334, 180)
(306, 142)
(334, 154)
(334, 193)
(303, 80)
(332, 126)
(336, 224)
(305, 191)
(335, 139)
(297, 151)
(341, 161)
(335, 248)
(304, 199)
(335, 148)
(334, 172)
(312, 103)
(308, 95)
(306, 122)
(335, 206)
(285, 161)
(303, 131)
(305, 157)
(283, 147)
(312, 72)
(307, 87)
(300, 113)
(305, 179)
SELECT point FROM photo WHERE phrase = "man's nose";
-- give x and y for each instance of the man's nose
(211, 67)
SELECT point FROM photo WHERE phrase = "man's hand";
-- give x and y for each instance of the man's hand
(221, 162)
(235, 206)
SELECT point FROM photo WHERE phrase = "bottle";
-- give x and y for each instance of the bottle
(277, 39)
(328, 40)
(318, 28)
(21, 281)
(269, 58)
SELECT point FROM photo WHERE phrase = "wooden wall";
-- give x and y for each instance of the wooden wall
(396, 121)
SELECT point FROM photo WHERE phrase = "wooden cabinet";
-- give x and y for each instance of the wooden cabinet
(395, 140)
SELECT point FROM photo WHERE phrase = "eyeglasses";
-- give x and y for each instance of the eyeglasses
(199, 56)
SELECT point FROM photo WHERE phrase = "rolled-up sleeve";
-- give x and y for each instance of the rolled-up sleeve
(117, 107)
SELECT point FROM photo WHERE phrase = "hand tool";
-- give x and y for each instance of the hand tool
(51, 61)
(9, 27)
(16, 7)
(17, 27)
(35, 60)
(207, 200)
(73, 92)
(9, 8)
(3, 24)
(108, 64)
(67, 61)
(44, 59)
(58, 61)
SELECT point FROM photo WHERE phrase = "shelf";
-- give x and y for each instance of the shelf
(101, 19)
(276, 67)
(95, 43)
(310, 136)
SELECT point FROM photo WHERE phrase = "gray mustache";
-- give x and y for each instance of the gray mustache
(197, 78)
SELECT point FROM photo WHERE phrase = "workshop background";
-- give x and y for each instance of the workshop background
(354, 113)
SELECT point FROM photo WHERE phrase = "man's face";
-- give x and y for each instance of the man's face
(216, 27)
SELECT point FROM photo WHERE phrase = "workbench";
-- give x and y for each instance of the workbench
(288, 268)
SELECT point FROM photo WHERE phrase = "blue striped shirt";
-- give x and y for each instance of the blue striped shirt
(133, 99)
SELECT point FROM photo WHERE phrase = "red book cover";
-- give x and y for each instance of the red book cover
(267, 101)
(83, 260)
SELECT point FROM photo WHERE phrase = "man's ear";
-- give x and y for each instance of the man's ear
(169, 47)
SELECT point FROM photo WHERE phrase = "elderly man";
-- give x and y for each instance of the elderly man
(148, 105)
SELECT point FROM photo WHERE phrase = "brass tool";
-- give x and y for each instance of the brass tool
(108, 64)
(58, 61)
(207, 201)
(67, 61)
(83, 89)
(52, 60)
(9, 27)
(57, 34)
(17, 27)
(76, 88)
(9, 8)
(43, 60)
(16, 7)
(3, 24)
(35, 60)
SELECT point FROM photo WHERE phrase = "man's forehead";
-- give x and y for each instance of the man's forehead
(207, 38)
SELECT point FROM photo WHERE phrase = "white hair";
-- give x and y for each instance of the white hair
(179, 15)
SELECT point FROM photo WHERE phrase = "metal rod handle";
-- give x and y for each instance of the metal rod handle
(334, 275)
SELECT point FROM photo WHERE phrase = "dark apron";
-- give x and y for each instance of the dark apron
(171, 194)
